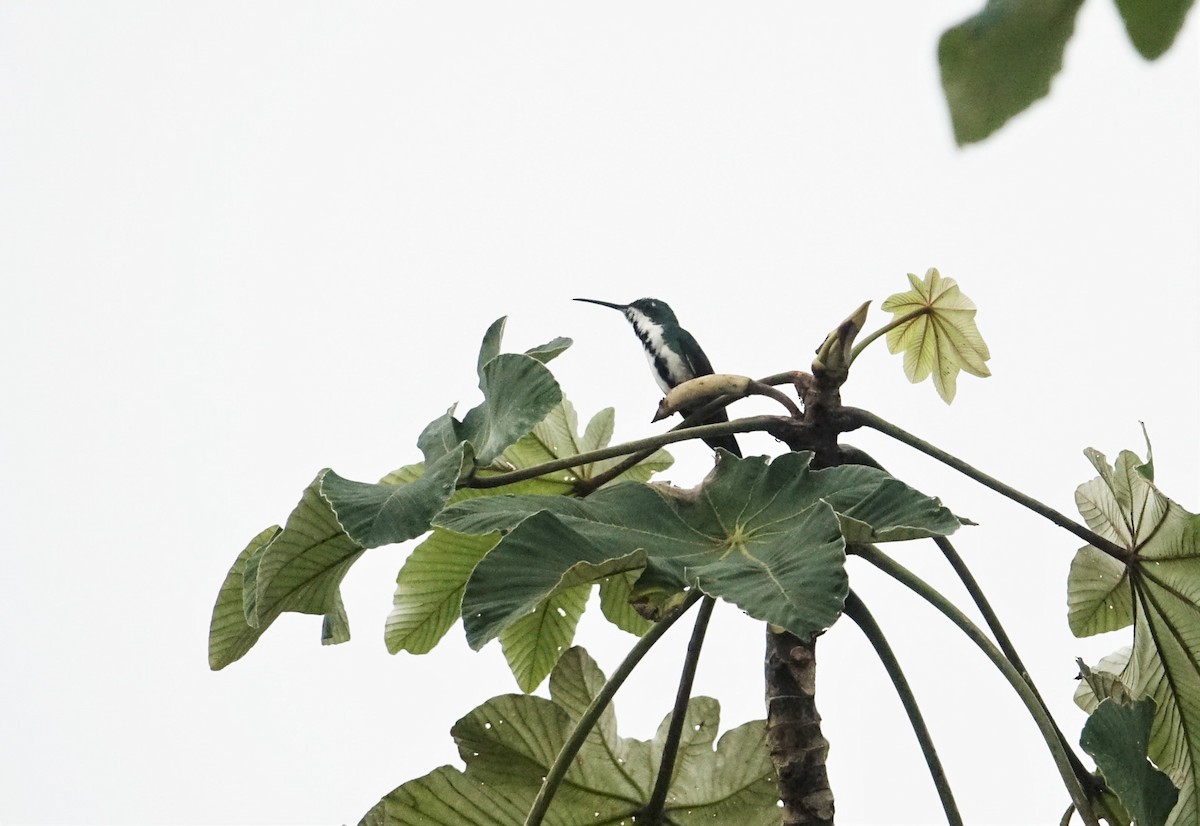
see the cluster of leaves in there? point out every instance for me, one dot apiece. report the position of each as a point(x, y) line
point(1000, 61)
point(509, 743)
point(1148, 694)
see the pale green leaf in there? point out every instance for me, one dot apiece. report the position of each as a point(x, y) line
point(509, 742)
point(616, 597)
point(229, 635)
point(1158, 589)
point(533, 644)
point(429, 589)
point(938, 335)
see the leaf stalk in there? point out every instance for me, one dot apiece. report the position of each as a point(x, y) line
point(857, 611)
point(868, 419)
point(587, 721)
point(1046, 725)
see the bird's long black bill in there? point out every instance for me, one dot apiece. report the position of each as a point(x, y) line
point(620, 307)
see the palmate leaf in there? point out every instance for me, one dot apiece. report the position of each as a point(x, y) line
point(940, 336)
point(997, 63)
point(429, 588)
point(766, 537)
point(509, 742)
point(556, 437)
point(1156, 588)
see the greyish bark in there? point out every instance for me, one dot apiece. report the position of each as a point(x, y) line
point(794, 738)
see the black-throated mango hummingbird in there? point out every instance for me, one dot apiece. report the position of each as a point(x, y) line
point(674, 354)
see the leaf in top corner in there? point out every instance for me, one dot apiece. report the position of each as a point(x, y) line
point(1152, 25)
point(941, 337)
point(997, 63)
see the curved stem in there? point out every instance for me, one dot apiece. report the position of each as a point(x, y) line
point(1028, 696)
point(666, 769)
point(857, 611)
point(868, 419)
point(587, 721)
point(1006, 646)
point(745, 425)
point(891, 325)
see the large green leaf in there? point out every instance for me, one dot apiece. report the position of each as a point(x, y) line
point(1156, 587)
point(764, 536)
point(998, 62)
point(1153, 24)
point(301, 568)
point(509, 742)
point(1116, 736)
point(429, 588)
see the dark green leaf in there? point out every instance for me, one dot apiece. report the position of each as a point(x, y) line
point(765, 537)
point(518, 392)
point(1117, 735)
point(373, 515)
point(998, 62)
point(490, 348)
point(1153, 24)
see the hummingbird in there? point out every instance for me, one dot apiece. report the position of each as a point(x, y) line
point(673, 353)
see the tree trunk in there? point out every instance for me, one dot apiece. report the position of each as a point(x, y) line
point(794, 738)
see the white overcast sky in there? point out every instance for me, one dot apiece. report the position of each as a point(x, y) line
point(240, 242)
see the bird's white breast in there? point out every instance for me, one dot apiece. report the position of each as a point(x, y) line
point(651, 335)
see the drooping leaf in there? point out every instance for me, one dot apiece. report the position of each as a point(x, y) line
point(373, 515)
point(301, 568)
point(940, 337)
point(429, 589)
point(1153, 24)
point(229, 635)
point(550, 350)
point(1000, 61)
point(1156, 587)
point(533, 644)
point(764, 536)
point(1116, 735)
point(509, 742)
